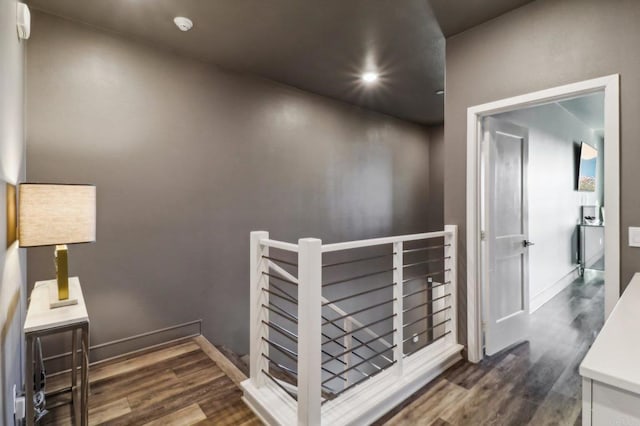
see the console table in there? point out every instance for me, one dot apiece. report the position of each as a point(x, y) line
point(585, 229)
point(42, 321)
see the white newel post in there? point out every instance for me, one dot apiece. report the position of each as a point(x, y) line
point(398, 305)
point(451, 251)
point(257, 313)
point(309, 331)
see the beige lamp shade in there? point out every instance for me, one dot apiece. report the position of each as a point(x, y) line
point(50, 214)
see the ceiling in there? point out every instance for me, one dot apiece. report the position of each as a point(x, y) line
point(317, 46)
point(589, 109)
point(456, 16)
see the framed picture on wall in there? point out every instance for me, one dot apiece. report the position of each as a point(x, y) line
point(588, 163)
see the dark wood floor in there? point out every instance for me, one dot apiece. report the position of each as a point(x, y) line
point(185, 384)
point(535, 383)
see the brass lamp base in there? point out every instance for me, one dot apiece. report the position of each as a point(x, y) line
point(61, 297)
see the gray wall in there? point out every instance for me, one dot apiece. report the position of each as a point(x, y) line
point(12, 259)
point(188, 159)
point(436, 176)
point(544, 44)
point(553, 201)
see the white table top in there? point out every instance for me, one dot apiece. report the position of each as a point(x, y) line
point(41, 317)
point(614, 357)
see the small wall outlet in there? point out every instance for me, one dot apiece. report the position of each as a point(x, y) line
point(416, 338)
point(19, 405)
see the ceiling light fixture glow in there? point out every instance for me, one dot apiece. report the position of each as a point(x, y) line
point(184, 24)
point(370, 77)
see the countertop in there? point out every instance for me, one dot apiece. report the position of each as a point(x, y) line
point(40, 316)
point(614, 357)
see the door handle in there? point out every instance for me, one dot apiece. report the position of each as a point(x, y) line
point(527, 243)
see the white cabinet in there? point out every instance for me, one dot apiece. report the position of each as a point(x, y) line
point(611, 369)
point(609, 405)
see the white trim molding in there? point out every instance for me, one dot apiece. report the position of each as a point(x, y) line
point(610, 85)
point(538, 300)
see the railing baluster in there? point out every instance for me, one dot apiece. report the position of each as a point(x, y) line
point(451, 265)
point(398, 308)
point(258, 314)
point(309, 331)
point(348, 343)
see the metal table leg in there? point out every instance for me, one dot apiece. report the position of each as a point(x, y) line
point(581, 248)
point(85, 376)
point(29, 381)
point(74, 359)
point(74, 373)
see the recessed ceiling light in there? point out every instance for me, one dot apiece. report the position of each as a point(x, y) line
point(369, 77)
point(184, 24)
point(440, 92)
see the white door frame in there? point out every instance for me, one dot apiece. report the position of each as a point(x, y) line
point(611, 87)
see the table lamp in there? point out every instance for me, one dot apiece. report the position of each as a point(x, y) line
point(52, 214)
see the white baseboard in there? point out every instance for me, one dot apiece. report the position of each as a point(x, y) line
point(548, 293)
point(364, 403)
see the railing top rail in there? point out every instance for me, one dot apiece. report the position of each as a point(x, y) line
point(380, 241)
point(326, 248)
point(279, 245)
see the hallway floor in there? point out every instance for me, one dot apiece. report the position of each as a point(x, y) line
point(183, 384)
point(535, 383)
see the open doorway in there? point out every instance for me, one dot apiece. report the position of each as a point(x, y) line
point(542, 209)
point(511, 313)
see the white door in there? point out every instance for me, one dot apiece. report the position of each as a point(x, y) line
point(505, 245)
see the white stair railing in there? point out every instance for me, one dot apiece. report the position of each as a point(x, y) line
point(332, 351)
point(349, 322)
